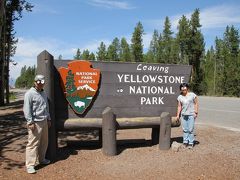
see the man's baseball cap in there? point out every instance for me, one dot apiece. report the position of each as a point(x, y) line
point(39, 77)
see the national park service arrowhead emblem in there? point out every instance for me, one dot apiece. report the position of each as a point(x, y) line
point(80, 84)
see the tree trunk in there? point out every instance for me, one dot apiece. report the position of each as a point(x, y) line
point(2, 14)
point(7, 78)
point(2, 83)
point(2, 51)
point(7, 60)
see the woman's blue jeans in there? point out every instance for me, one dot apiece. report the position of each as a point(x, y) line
point(188, 128)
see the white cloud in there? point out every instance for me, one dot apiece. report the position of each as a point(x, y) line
point(16, 69)
point(40, 8)
point(220, 16)
point(111, 4)
point(93, 45)
point(213, 17)
point(28, 49)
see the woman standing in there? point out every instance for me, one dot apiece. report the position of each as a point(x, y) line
point(187, 111)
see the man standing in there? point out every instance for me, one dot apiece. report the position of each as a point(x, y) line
point(36, 112)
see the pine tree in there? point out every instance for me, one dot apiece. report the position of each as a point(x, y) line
point(60, 57)
point(231, 43)
point(152, 54)
point(102, 54)
point(110, 52)
point(137, 46)
point(167, 41)
point(125, 54)
point(195, 52)
point(78, 54)
point(209, 66)
point(26, 78)
point(238, 75)
point(183, 39)
point(148, 57)
point(85, 55)
point(219, 66)
point(160, 52)
point(175, 52)
point(92, 56)
point(70, 87)
point(23, 70)
point(114, 50)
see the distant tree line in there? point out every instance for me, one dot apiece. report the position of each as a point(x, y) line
point(222, 65)
point(26, 78)
point(215, 72)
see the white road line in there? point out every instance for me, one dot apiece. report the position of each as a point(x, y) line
point(219, 126)
point(219, 110)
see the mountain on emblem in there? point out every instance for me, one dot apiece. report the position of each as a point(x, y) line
point(80, 84)
point(86, 87)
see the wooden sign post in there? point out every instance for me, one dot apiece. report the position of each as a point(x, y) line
point(136, 94)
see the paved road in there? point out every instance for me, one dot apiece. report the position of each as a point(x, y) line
point(19, 93)
point(217, 111)
point(220, 111)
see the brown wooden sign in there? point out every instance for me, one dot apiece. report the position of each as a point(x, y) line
point(78, 95)
point(130, 89)
point(80, 84)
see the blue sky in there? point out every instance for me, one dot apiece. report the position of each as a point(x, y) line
point(61, 27)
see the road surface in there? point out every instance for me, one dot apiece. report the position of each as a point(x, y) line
point(216, 111)
point(220, 111)
point(19, 93)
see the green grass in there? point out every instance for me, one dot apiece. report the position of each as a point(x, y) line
point(12, 96)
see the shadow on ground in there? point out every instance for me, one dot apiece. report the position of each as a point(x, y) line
point(12, 129)
point(72, 142)
point(13, 138)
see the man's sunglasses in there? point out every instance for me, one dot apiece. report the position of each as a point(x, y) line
point(40, 81)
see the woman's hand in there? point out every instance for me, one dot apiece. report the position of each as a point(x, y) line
point(195, 114)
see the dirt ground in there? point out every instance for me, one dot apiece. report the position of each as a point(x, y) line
point(215, 156)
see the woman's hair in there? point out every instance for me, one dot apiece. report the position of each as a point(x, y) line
point(184, 85)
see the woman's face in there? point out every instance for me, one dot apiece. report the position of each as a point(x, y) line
point(184, 90)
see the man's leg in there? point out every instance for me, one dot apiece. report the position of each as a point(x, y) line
point(43, 142)
point(32, 146)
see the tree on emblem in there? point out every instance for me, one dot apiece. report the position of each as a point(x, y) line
point(70, 86)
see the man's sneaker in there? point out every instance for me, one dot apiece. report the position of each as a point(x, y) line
point(45, 162)
point(31, 170)
point(190, 146)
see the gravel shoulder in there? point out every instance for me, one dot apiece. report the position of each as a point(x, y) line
point(216, 155)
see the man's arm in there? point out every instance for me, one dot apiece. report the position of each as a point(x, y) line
point(27, 108)
point(48, 111)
